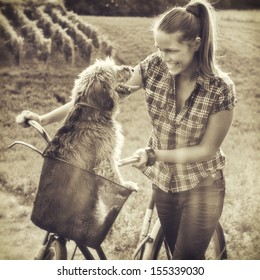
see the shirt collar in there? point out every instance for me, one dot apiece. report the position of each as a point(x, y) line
point(204, 82)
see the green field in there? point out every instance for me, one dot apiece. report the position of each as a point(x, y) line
point(41, 88)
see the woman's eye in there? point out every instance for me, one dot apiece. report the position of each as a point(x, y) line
point(172, 51)
point(167, 51)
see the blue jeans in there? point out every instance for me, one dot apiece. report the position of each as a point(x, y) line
point(189, 218)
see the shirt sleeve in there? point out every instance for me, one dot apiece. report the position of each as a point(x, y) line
point(226, 99)
point(146, 65)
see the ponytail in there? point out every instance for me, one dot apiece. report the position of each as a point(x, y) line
point(207, 51)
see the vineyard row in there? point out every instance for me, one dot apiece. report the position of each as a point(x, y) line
point(50, 31)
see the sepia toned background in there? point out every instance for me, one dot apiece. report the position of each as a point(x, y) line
point(45, 44)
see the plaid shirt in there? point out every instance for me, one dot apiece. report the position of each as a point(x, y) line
point(171, 131)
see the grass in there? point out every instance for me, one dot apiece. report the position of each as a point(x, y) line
point(36, 90)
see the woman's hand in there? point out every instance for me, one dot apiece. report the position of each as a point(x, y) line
point(126, 89)
point(25, 116)
point(143, 158)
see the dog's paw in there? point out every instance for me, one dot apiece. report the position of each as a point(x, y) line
point(131, 186)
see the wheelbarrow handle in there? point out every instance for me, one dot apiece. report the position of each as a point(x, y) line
point(128, 160)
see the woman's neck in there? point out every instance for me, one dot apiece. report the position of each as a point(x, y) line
point(190, 74)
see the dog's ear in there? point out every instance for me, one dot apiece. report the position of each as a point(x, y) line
point(99, 96)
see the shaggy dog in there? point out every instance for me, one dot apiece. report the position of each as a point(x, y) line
point(91, 137)
point(88, 143)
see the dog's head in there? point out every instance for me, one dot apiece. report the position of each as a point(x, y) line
point(96, 85)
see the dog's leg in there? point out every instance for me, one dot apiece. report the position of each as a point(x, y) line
point(110, 170)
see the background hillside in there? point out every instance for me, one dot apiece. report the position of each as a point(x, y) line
point(41, 85)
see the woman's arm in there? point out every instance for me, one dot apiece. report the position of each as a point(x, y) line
point(51, 117)
point(216, 131)
point(57, 114)
point(136, 79)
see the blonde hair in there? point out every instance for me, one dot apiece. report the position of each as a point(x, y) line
point(196, 19)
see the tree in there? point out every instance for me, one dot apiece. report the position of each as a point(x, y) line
point(144, 7)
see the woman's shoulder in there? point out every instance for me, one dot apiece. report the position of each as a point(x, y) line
point(224, 92)
point(222, 80)
point(151, 64)
point(152, 59)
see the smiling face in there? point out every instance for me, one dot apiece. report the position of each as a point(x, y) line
point(178, 56)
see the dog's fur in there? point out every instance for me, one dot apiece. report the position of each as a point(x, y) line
point(76, 203)
point(91, 137)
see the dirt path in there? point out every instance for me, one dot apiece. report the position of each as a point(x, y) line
point(19, 238)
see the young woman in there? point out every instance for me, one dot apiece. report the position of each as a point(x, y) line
point(191, 103)
point(191, 106)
